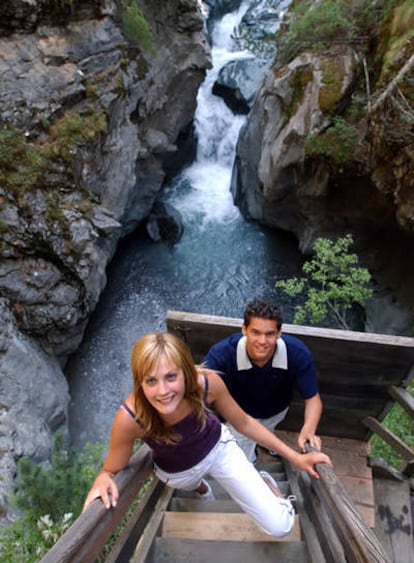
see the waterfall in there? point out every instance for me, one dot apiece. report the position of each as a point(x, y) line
point(220, 263)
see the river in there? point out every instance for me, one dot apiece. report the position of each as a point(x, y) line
point(220, 263)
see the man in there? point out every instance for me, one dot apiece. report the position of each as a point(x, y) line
point(261, 368)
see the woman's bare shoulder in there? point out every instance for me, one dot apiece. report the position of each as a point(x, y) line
point(126, 419)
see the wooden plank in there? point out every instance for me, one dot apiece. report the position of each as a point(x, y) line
point(172, 550)
point(174, 318)
point(219, 526)
point(151, 531)
point(321, 520)
point(362, 494)
point(390, 438)
point(394, 519)
point(195, 505)
point(316, 548)
point(334, 348)
point(403, 398)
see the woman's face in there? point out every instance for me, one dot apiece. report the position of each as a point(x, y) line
point(164, 389)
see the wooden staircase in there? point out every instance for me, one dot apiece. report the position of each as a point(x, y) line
point(192, 529)
point(358, 512)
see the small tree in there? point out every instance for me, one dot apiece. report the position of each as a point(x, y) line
point(333, 284)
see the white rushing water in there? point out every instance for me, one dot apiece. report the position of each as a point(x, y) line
point(220, 263)
point(217, 129)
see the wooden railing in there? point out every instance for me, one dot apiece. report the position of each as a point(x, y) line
point(403, 398)
point(88, 535)
point(343, 535)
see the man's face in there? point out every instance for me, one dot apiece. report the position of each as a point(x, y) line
point(261, 335)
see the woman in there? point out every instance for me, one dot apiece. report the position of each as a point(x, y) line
point(169, 409)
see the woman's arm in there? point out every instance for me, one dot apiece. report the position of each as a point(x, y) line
point(226, 406)
point(124, 433)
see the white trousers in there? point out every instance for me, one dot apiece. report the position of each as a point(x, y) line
point(229, 466)
point(247, 444)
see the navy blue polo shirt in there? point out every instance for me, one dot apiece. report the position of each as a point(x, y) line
point(264, 391)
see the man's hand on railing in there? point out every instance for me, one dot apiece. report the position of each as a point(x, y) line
point(105, 488)
point(306, 462)
point(308, 436)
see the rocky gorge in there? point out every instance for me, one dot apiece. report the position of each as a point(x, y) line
point(93, 124)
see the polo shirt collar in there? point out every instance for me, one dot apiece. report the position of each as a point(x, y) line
point(279, 358)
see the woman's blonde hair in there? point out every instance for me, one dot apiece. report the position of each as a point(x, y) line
point(145, 355)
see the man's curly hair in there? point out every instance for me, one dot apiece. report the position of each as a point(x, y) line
point(263, 310)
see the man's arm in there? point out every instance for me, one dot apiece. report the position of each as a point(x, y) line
point(227, 407)
point(313, 412)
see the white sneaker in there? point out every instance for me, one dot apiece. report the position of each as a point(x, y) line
point(208, 495)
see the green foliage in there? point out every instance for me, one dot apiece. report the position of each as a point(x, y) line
point(300, 78)
point(21, 166)
point(72, 129)
point(401, 32)
point(61, 488)
point(29, 539)
point(337, 144)
point(331, 88)
point(24, 165)
point(401, 424)
point(316, 28)
point(333, 284)
point(136, 27)
point(51, 499)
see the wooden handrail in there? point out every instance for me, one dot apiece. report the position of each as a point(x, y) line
point(87, 536)
point(403, 398)
point(359, 542)
point(390, 438)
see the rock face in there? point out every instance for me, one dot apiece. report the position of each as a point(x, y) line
point(270, 183)
point(33, 401)
point(278, 182)
point(88, 119)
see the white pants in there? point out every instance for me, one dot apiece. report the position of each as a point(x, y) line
point(248, 445)
point(229, 466)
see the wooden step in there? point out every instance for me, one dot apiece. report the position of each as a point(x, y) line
point(221, 493)
point(220, 527)
point(171, 550)
point(196, 505)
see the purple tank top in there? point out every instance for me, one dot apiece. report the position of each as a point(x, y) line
point(195, 443)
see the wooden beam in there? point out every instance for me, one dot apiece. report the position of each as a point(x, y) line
point(403, 398)
point(359, 542)
point(408, 468)
point(389, 437)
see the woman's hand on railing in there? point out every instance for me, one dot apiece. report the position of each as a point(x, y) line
point(105, 488)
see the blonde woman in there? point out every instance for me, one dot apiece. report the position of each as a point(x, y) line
point(172, 409)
